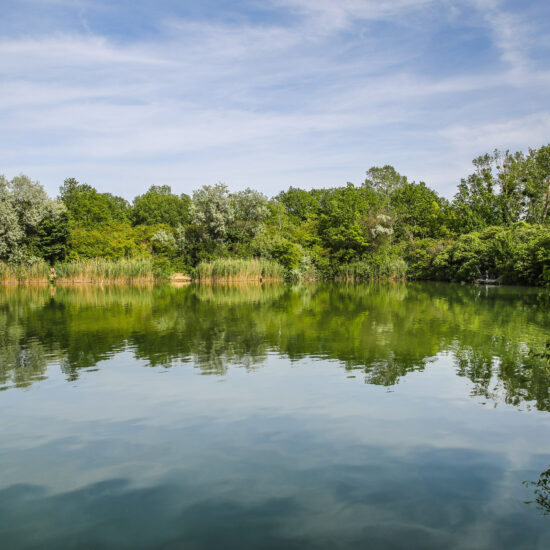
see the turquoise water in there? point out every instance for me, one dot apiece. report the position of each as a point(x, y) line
point(312, 416)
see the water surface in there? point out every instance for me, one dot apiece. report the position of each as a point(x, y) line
point(311, 416)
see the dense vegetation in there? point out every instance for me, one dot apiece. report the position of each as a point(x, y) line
point(498, 223)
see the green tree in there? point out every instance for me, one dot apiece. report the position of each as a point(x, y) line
point(213, 211)
point(26, 211)
point(537, 185)
point(299, 204)
point(251, 211)
point(160, 205)
point(476, 203)
point(51, 240)
point(343, 221)
point(384, 180)
point(89, 208)
point(418, 211)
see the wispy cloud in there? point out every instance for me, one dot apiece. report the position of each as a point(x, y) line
point(302, 92)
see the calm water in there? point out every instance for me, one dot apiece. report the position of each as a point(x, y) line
point(370, 416)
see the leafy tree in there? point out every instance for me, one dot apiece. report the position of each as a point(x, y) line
point(26, 211)
point(537, 185)
point(160, 205)
point(213, 211)
point(476, 202)
point(343, 221)
point(113, 241)
point(51, 240)
point(251, 211)
point(11, 232)
point(299, 204)
point(89, 208)
point(505, 188)
point(384, 180)
point(419, 211)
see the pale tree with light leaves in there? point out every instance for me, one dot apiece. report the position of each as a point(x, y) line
point(213, 210)
point(24, 204)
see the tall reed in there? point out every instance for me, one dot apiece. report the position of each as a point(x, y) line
point(103, 270)
point(373, 269)
point(37, 272)
point(80, 271)
point(238, 269)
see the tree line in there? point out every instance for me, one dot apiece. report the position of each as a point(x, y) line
point(388, 226)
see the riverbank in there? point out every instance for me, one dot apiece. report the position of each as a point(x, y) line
point(421, 261)
point(80, 272)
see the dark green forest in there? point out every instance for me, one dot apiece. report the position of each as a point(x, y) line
point(387, 227)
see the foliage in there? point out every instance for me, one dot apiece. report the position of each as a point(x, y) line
point(212, 211)
point(516, 254)
point(160, 206)
point(384, 180)
point(250, 208)
point(89, 208)
point(51, 239)
point(111, 241)
point(27, 214)
point(419, 212)
point(497, 222)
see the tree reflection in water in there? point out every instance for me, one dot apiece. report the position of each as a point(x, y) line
point(497, 338)
point(541, 490)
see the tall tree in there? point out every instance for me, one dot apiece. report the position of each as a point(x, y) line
point(384, 180)
point(26, 215)
point(160, 205)
point(89, 208)
point(213, 211)
point(418, 211)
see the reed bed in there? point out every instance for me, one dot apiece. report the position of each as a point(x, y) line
point(237, 269)
point(105, 271)
point(80, 271)
point(37, 272)
point(385, 269)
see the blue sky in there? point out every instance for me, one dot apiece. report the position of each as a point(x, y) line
point(267, 94)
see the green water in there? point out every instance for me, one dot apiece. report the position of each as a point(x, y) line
point(314, 416)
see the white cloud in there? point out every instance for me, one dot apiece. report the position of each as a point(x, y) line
point(331, 15)
point(513, 134)
point(258, 104)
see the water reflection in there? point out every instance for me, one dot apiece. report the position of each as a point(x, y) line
point(496, 337)
point(276, 447)
point(541, 490)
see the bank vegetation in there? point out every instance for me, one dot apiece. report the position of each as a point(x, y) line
point(387, 227)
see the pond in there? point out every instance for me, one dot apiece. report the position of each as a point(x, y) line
point(311, 416)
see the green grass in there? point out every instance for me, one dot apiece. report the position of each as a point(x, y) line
point(236, 269)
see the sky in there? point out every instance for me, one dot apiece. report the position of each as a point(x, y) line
point(267, 94)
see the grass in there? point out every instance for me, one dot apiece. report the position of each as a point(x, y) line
point(236, 269)
point(379, 269)
point(100, 270)
point(37, 272)
point(80, 271)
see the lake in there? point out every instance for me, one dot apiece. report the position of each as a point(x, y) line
point(265, 417)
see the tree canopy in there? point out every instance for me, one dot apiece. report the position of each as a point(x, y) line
point(498, 221)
